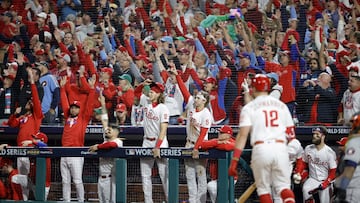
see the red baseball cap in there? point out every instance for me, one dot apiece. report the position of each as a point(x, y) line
point(107, 70)
point(65, 25)
point(157, 87)
point(342, 141)
point(142, 57)
point(41, 136)
point(210, 80)
point(76, 103)
point(120, 107)
point(226, 129)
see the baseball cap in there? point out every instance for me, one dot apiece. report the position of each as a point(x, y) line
point(210, 80)
point(321, 129)
point(286, 52)
point(273, 76)
point(8, 14)
point(65, 25)
point(142, 57)
point(167, 39)
point(342, 141)
point(244, 55)
point(41, 136)
point(66, 57)
point(226, 129)
point(120, 107)
point(125, 77)
point(76, 103)
point(157, 87)
point(180, 38)
point(42, 63)
point(107, 70)
point(184, 51)
point(42, 15)
point(13, 65)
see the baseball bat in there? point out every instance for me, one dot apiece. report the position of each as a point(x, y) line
point(247, 193)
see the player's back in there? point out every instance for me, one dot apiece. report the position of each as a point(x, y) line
point(269, 118)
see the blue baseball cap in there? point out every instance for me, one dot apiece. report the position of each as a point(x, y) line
point(244, 55)
point(167, 39)
point(273, 76)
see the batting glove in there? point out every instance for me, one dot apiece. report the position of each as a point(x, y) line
point(245, 86)
point(233, 168)
point(297, 178)
point(315, 190)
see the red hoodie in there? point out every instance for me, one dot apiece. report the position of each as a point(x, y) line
point(28, 124)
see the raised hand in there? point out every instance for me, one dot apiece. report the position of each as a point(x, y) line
point(63, 81)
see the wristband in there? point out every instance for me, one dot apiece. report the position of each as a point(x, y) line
point(237, 154)
point(104, 117)
point(158, 143)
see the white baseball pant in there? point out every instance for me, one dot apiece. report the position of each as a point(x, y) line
point(310, 184)
point(107, 194)
point(72, 167)
point(23, 166)
point(195, 169)
point(146, 165)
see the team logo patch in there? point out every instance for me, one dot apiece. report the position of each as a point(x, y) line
point(44, 83)
point(350, 151)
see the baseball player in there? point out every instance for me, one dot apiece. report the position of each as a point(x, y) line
point(107, 180)
point(39, 140)
point(320, 160)
point(295, 151)
point(156, 119)
point(270, 124)
point(76, 121)
point(226, 142)
point(14, 191)
point(199, 120)
point(28, 124)
point(348, 183)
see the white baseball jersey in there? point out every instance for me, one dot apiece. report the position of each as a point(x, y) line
point(173, 98)
point(319, 161)
point(153, 117)
point(351, 104)
point(295, 150)
point(275, 119)
point(137, 114)
point(196, 120)
point(106, 164)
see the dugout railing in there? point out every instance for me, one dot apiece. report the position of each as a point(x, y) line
point(121, 155)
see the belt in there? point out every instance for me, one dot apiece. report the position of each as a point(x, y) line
point(268, 141)
point(191, 142)
point(105, 176)
point(150, 138)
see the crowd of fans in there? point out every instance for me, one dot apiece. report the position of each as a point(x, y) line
point(308, 48)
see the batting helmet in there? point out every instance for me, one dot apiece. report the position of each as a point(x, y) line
point(261, 82)
point(355, 122)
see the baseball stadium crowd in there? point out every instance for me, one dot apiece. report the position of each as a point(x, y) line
point(56, 55)
point(307, 47)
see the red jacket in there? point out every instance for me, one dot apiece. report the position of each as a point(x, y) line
point(213, 144)
point(74, 128)
point(30, 123)
point(287, 78)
